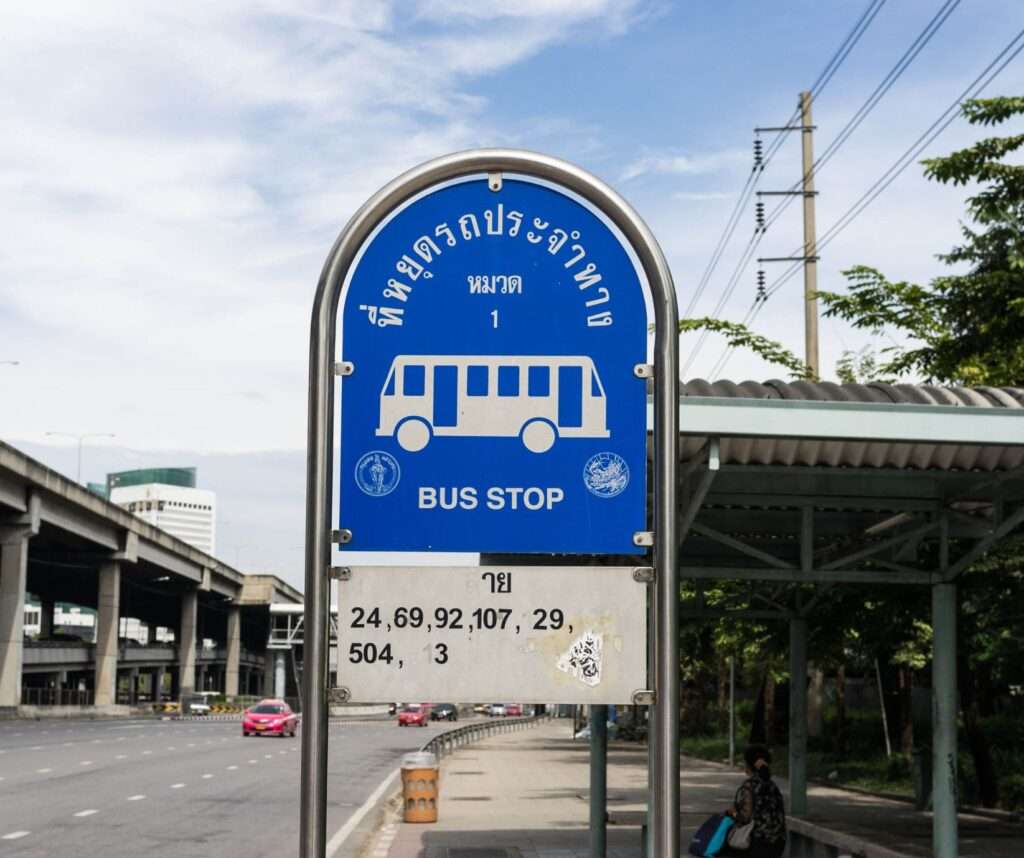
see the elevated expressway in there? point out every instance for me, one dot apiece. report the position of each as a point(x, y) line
point(61, 543)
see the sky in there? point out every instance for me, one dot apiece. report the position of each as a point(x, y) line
point(174, 176)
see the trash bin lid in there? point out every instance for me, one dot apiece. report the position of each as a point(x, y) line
point(419, 760)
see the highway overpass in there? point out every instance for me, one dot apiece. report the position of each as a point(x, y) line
point(60, 542)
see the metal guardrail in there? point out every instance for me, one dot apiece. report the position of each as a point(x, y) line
point(55, 697)
point(445, 743)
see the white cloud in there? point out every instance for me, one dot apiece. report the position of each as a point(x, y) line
point(174, 176)
point(684, 165)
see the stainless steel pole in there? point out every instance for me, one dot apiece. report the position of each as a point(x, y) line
point(665, 803)
point(313, 798)
point(598, 781)
point(313, 778)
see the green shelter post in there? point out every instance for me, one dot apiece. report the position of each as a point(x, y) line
point(945, 842)
point(798, 716)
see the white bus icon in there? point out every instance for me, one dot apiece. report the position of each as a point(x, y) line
point(537, 399)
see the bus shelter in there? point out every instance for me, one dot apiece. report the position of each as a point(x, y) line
point(800, 487)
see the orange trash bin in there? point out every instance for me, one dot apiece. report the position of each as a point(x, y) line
point(420, 787)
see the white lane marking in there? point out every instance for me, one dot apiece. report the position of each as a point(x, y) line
point(121, 757)
point(15, 835)
point(147, 752)
point(36, 748)
point(191, 745)
point(253, 762)
point(89, 812)
point(96, 741)
point(268, 756)
point(85, 763)
point(177, 786)
point(232, 768)
point(68, 744)
point(171, 748)
point(207, 776)
point(343, 833)
point(43, 771)
point(138, 797)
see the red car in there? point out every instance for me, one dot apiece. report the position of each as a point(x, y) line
point(270, 717)
point(513, 709)
point(414, 715)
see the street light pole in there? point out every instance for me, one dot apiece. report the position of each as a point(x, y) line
point(80, 437)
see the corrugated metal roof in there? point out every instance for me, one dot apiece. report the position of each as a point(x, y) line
point(764, 451)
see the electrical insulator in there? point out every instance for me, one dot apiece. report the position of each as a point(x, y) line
point(761, 294)
point(759, 214)
point(758, 154)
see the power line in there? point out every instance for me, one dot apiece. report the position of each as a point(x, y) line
point(945, 119)
point(847, 45)
point(894, 74)
point(926, 138)
point(836, 60)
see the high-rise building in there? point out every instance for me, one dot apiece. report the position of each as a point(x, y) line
point(168, 498)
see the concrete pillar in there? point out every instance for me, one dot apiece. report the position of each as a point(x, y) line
point(133, 686)
point(798, 716)
point(234, 655)
point(279, 674)
point(13, 573)
point(158, 684)
point(108, 607)
point(945, 841)
point(186, 641)
point(46, 610)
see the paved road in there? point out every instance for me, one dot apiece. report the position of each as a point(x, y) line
point(188, 789)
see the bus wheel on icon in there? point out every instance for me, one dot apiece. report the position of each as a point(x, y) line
point(538, 436)
point(413, 434)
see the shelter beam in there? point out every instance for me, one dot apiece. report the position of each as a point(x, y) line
point(879, 547)
point(740, 546)
point(696, 498)
point(793, 575)
point(1008, 523)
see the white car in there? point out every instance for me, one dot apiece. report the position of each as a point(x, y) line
point(496, 709)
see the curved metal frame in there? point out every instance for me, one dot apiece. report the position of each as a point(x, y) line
point(313, 801)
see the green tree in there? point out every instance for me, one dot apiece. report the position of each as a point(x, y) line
point(964, 328)
point(739, 336)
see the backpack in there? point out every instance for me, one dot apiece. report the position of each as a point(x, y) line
point(708, 840)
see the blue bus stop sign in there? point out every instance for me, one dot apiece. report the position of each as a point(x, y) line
point(491, 332)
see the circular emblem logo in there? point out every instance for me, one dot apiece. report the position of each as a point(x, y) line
point(377, 473)
point(606, 475)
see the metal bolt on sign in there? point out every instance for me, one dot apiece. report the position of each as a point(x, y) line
point(504, 174)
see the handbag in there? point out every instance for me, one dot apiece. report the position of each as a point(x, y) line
point(739, 836)
point(708, 840)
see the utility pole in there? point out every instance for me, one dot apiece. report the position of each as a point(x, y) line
point(810, 240)
point(81, 437)
point(810, 254)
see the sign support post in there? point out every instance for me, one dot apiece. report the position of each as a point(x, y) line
point(381, 474)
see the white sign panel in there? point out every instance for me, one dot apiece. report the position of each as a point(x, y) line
point(527, 634)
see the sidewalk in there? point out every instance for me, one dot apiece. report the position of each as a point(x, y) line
point(527, 791)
